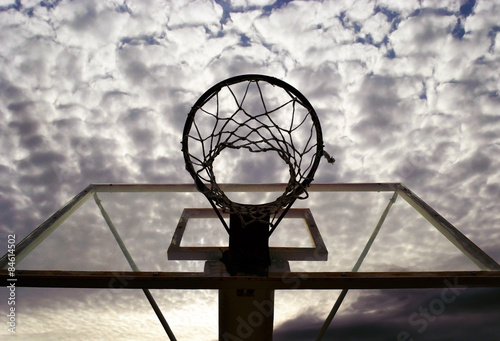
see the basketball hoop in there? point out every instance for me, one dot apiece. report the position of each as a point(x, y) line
point(260, 114)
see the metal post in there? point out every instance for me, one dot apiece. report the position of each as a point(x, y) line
point(248, 251)
point(246, 313)
point(134, 267)
point(356, 267)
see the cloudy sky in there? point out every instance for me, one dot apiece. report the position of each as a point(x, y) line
point(98, 92)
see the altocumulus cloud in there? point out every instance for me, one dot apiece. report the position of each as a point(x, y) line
point(98, 91)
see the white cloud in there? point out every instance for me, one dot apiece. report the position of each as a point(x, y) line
point(401, 8)
point(422, 35)
point(243, 21)
point(358, 11)
point(377, 26)
point(199, 12)
point(247, 3)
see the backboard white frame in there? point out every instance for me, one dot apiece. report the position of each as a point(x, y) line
point(175, 251)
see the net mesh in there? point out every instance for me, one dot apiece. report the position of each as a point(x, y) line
point(258, 115)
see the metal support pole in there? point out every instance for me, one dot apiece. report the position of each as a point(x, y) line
point(134, 267)
point(356, 267)
point(246, 313)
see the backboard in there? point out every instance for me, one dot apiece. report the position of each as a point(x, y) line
point(163, 236)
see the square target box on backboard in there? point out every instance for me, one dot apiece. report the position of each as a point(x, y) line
point(318, 251)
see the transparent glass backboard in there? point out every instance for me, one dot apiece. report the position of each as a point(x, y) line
point(146, 218)
point(147, 221)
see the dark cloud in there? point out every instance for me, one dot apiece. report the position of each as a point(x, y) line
point(137, 71)
point(99, 162)
point(6, 205)
point(477, 164)
point(25, 127)
point(111, 96)
point(33, 142)
point(145, 39)
point(260, 168)
point(10, 92)
point(21, 108)
point(67, 123)
point(304, 327)
point(41, 159)
point(406, 315)
point(161, 170)
point(143, 137)
point(85, 18)
point(379, 114)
